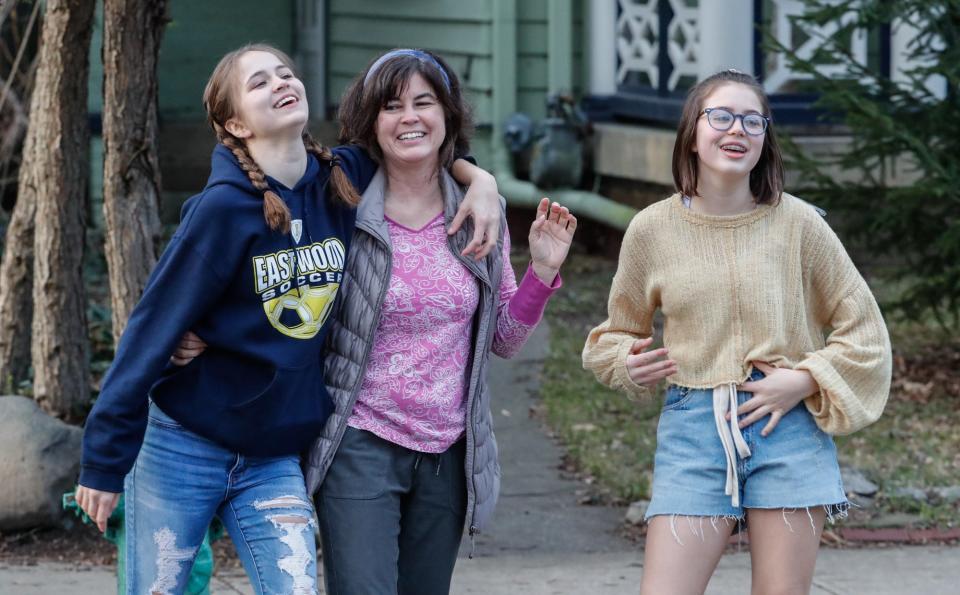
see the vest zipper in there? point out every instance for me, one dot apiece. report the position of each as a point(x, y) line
point(483, 280)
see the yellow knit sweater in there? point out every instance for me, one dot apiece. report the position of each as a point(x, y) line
point(760, 286)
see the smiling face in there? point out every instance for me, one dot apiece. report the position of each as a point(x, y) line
point(730, 153)
point(411, 128)
point(270, 100)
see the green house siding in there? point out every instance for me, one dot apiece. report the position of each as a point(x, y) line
point(460, 31)
point(532, 55)
point(95, 89)
point(200, 33)
point(356, 32)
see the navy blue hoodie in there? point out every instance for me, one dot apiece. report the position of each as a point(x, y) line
point(258, 388)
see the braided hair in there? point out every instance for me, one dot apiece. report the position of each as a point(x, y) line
point(219, 101)
point(339, 181)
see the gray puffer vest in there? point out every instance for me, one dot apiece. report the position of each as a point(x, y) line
point(356, 316)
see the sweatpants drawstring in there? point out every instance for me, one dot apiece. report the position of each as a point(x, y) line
point(724, 400)
point(419, 457)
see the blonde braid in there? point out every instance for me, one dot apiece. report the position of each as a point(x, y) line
point(340, 182)
point(275, 211)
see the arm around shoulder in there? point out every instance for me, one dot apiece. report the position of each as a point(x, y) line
point(482, 203)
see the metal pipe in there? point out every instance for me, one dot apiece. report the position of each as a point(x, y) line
point(519, 192)
point(582, 203)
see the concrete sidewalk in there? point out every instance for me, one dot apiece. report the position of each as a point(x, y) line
point(543, 543)
point(904, 570)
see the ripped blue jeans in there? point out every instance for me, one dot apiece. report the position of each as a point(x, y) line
point(181, 481)
point(794, 467)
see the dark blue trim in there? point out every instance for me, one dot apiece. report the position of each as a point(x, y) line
point(664, 65)
point(598, 108)
point(639, 107)
point(797, 108)
point(885, 49)
point(652, 108)
point(758, 39)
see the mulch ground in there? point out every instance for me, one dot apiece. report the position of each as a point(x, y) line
point(81, 545)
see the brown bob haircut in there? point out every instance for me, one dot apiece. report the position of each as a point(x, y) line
point(362, 101)
point(766, 178)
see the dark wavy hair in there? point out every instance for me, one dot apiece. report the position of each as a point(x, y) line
point(362, 101)
point(766, 178)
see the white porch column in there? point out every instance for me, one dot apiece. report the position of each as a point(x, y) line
point(311, 53)
point(602, 47)
point(901, 34)
point(726, 36)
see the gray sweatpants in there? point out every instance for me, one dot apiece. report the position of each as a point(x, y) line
point(391, 518)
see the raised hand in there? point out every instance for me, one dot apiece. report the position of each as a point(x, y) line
point(550, 237)
point(649, 367)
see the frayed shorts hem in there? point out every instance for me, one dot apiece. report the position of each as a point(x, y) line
point(835, 512)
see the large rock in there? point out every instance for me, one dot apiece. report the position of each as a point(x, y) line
point(636, 512)
point(39, 461)
point(948, 494)
point(910, 493)
point(855, 482)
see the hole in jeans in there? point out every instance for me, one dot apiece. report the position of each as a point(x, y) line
point(296, 529)
point(170, 561)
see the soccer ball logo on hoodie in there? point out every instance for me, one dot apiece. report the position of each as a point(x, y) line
point(298, 307)
point(300, 313)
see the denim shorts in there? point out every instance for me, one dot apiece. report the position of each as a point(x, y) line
point(795, 466)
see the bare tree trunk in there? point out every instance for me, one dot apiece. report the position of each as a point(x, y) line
point(16, 287)
point(55, 168)
point(131, 174)
point(16, 268)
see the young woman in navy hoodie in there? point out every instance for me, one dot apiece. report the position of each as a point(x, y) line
point(253, 268)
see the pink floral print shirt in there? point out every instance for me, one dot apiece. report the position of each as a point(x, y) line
point(414, 389)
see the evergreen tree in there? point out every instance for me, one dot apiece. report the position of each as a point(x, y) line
point(909, 120)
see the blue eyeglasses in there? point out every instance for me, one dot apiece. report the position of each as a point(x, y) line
point(722, 119)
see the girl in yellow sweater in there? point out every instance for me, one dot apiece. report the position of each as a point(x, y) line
point(772, 342)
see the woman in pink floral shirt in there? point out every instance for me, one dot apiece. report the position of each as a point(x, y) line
point(409, 459)
point(414, 386)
